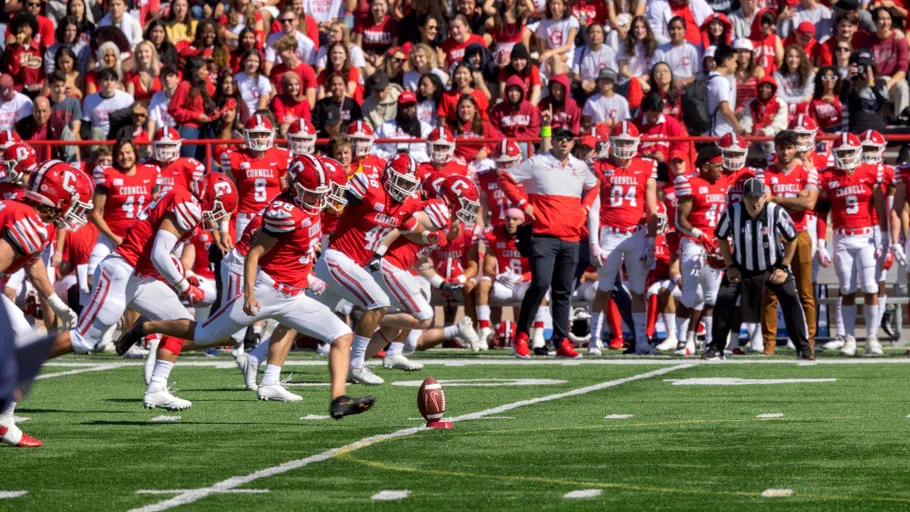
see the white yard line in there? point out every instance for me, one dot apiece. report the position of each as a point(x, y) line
point(583, 493)
point(95, 368)
point(194, 495)
point(7, 495)
point(390, 495)
point(180, 491)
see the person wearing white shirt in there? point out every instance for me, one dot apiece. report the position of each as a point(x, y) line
point(556, 34)
point(97, 107)
point(14, 106)
point(682, 56)
point(404, 126)
point(659, 15)
point(606, 107)
point(255, 87)
point(721, 98)
point(118, 17)
point(815, 13)
point(161, 100)
point(325, 11)
point(305, 47)
point(592, 57)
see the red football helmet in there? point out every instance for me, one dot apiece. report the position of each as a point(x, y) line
point(847, 151)
point(441, 145)
point(258, 133)
point(401, 176)
point(715, 260)
point(873, 145)
point(462, 197)
point(339, 177)
point(218, 199)
point(504, 335)
point(733, 150)
point(311, 181)
point(506, 154)
point(166, 145)
point(64, 188)
point(301, 137)
point(8, 138)
point(624, 138)
point(805, 129)
point(18, 160)
point(362, 136)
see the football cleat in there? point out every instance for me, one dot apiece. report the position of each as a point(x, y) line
point(684, 348)
point(835, 344)
point(399, 362)
point(617, 344)
point(362, 375)
point(278, 393)
point(520, 347)
point(467, 333)
point(346, 406)
point(565, 349)
point(11, 436)
point(486, 335)
point(712, 354)
point(849, 348)
point(249, 368)
point(130, 336)
point(669, 343)
point(595, 348)
point(873, 347)
point(165, 400)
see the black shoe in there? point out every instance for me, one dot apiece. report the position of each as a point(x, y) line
point(131, 336)
point(541, 351)
point(346, 406)
point(712, 354)
point(807, 355)
point(888, 323)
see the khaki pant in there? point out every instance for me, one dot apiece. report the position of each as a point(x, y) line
point(802, 275)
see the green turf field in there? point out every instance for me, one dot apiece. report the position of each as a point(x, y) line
point(623, 433)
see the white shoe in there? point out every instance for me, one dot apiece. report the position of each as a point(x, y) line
point(790, 344)
point(165, 400)
point(537, 340)
point(278, 393)
point(135, 352)
point(595, 348)
point(874, 348)
point(668, 344)
point(249, 368)
point(467, 333)
point(685, 350)
point(486, 335)
point(237, 349)
point(362, 375)
point(756, 345)
point(849, 348)
point(322, 350)
point(399, 362)
point(835, 344)
point(150, 360)
point(699, 346)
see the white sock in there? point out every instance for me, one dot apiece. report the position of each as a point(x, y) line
point(682, 327)
point(691, 336)
point(542, 314)
point(597, 327)
point(394, 349)
point(359, 350)
point(7, 417)
point(709, 323)
point(848, 313)
point(410, 343)
point(839, 317)
point(272, 375)
point(483, 313)
point(882, 302)
point(450, 332)
point(160, 374)
point(641, 326)
point(260, 352)
point(257, 329)
point(670, 324)
point(870, 314)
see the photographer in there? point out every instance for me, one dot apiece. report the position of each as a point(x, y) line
point(864, 94)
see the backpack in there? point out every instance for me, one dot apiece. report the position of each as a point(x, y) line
point(694, 103)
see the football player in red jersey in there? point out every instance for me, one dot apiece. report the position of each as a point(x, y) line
point(376, 205)
point(276, 277)
point(662, 291)
point(621, 229)
point(457, 266)
point(19, 160)
point(258, 170)
point(301, 138)
point(494, 202)
point(175, 171)
point(442, 164)
point(57, 196)
point(733, 149)
point(142, 274)
point(361, 136)
point(806, 129)
point(873, 144)
point(700, 201)
point(854, 189)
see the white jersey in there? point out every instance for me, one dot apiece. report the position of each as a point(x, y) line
point(588, 62)
point(600, 108)
point(684, 60)
point(556, 34)
point(638, 64)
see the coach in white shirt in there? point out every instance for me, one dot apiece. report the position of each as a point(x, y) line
point(606, 107)
point(683, 57)
point(721, 94)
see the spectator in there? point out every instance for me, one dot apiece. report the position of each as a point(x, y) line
point(406, 125)
point(64, 107)
point(795, 80)
point(470, 124)
point(107, 56)
point(460, 38)
point(97, 107)
point(430, 30)
point(22, 56)
point(769, 50)
point(747, 73)
point(180, 26)
point(515, 116)
point(204, 43)
point(337, 97)
point(864, 94)
point(143, 81)
point(65, 62)
point(287, 50)
point(307, 24)
point(741, 19)
point(245, 43)
point(478, 19)
point(720, 94)
point(255, 88)
point(654, 124)
point(340, 63)
point(289, 25)
point(825, 107)
point(863, 16)
point(716, 30)
point(565, 112)
point(804, 37)
point(842, 53)
point(637, 53)
point(606, 107)
point(520, 66)
point(694, 12)
point(242, 17)
point(462, 83)
point(339, 33)
point(290, 105)
point(556, 37)
point(67, 34)
point(14, 106)
point(167, 52)
point(509, 24)
point(44, 36)
point(382, 103)
point(118, 17)
point(228, 126)
point(131, 123)
point(191, 103)
point(376, 35)
point(158, 106)
point(618, 12)
point(325, 12)
point(891, 59)
point(682, 56)
point(811, 11)
point(846, 31)
point(329, 123)
point(77, 9)
point(666, 87)
point(393, 66)
point(480, 62)
point(429, 95)
point(226, 89)
point(590, 59)
point(765, 114)
point(41, 125)
point(422, 60)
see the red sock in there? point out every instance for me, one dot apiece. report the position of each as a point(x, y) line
point(614, 319)
point(538, 325)
point(484, 324)
point(172, 344)
point(652, 315)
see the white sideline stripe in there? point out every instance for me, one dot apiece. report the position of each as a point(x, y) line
point(777, 493)
point(179, 491)
point(315, 417)
point(583, 493)
point(197, 494)
point(617, 416)
point(94, 368)
point(6, 495)
point(390, 495)
point(166, 418)
point(771, 415)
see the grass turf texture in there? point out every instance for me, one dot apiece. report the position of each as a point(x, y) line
point(840, 445)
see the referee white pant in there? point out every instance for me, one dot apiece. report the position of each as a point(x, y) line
point(700, 280)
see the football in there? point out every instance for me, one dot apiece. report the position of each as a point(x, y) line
point(431, 400)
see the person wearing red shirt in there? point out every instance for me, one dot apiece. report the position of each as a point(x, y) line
point(804, 37)
point(460, 37)
point(191, 103)
point(891, 58)
point(290, 104)
point(769, 50)
point(175, 171)
point(377, 34)
point(516, 116)
point(23, 58)
point(653, 124)
point(765, 114)
point(462, 84)
point(44, 36)
point(826, 108)
point(470, 124)
point(287, 50)
point(846, 31)
point(566, 113)
point(520, 66)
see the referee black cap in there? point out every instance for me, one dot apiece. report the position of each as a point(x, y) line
point(754, 187)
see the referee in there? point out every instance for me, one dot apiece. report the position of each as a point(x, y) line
point(761, 260)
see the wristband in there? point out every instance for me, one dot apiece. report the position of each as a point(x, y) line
point(546, 131)
point(380, 251)
point(697, 233)
point(182, 286)
point(437, 281)
point(56, 303)
point(677, 279)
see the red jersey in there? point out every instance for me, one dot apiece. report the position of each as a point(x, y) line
point(404, 253)
point(139, 242)
point(11, 191)
point(26, 232)
point(662, 253)
point(851, 195)
point(298, 232)
point(78, 245)
point(708, 201)
point(176, 174)
point(790, 184)
point(737, 180)
point(503, 246)
point(364, 226)
point(622, 191)
point(497, 202)
point(431, 176)
point(451, 260)
point(249, 233)
point(202, 241)
point(127, 195)
point(369, 163)
point(887, 181)
point(258, 179)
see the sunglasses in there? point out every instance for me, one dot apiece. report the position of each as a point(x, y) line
point(842, 49)
point(31, 4)
point(398, 60)
point(829, 78)
point(287, 20)
point(563, 137)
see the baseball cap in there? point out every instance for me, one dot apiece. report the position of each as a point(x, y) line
point(378, 81)
point(743, 44)
point(709, 51)
point(407, 97)
point(332, 115)
point(677, 154)
point(806, 27)
point(607, 74)
point(753, 187)
point(588, 140)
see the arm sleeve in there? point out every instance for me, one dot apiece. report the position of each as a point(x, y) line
point(724, 224)
point(164, 244)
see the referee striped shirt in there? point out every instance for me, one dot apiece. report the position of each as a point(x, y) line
point(757, 242)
